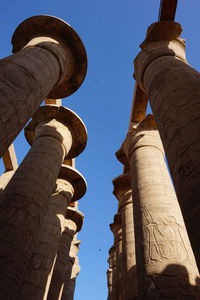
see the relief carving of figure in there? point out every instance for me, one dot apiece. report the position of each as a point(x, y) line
point(163, 239)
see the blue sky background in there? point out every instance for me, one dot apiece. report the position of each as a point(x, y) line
point(111, 32)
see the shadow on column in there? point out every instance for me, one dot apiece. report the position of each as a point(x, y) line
point(172, 283)
point(131, 283)
point(40, 263)
point(61, 266)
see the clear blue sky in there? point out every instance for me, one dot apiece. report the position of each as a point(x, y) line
point(111, 32)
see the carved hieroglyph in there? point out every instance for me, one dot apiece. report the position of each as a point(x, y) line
point(165, 263)
point(173, 88)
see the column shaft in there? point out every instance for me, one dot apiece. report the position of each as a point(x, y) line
point(112, 266)
point(26, 78)
point(38, 273)
point(116, 228)
point(24, 202)
point(165, 263)
point(128, 248)
point(73, 270)
point(119, 267)
point(123, 192)
point(69, 295)
point(173, 88)
point(109, 283)
point(58, 277)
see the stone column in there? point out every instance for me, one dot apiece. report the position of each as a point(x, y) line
point(109, 274)
point(173, 88)
point(73, 224)
point(73, 270)
point(116, 228)
point(71, 186)
point(165, 263)
point(123, 192)
point(57, 133)
point(112, 279)
point(51, 61)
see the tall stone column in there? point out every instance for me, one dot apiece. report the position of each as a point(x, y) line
point(73, 224)
point(173, 88)
point(56, 133)
point(51, 61)
point(73, 270)
point(109, 274)
point(116, 228)
point(165, 263)
point(111, 281)
point(123, 192)
point(71, 186)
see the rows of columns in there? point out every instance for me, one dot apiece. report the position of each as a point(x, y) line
point(156, 260)
point(39, 219)
point(165, 234)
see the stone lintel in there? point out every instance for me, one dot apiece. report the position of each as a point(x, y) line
point(57, 102)
point(139, 105)
point(49, 26)
point(10, 159)
point(76, 179)
point(121, 184)
point(167, 10)
point(65, 116)
point(76, 216)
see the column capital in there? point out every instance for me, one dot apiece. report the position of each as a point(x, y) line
point(55, 28)
point(111, 251)
point(116, 227)
point(75, 269)
point(75, 248)
point(122, 185)
point(76, 179)
point(122, 158)
point(162, 39)
point(65, 116)
point(163, 30)
point(76, 216)
point(143, 134)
